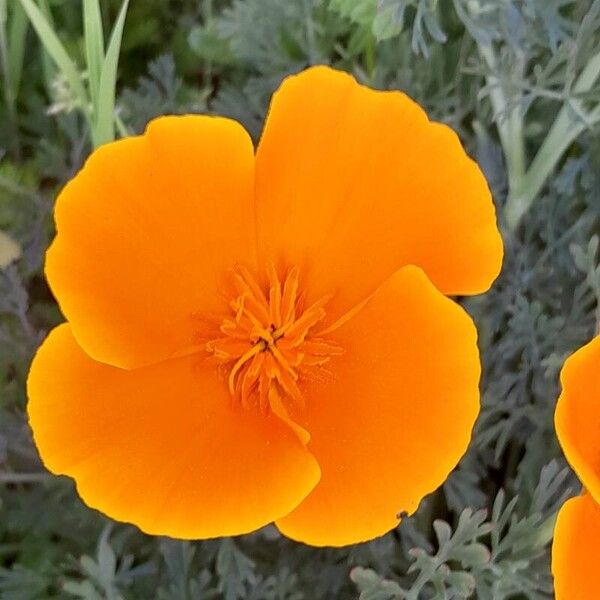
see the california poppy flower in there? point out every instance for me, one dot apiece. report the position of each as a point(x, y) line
point(577, 417)
point(257, 338)
point(577, 422)
point(575, 555)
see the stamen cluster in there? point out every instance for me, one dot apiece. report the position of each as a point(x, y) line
point(269, 340)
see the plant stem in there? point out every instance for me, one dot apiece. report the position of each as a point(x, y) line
point(509, 119)
point(565, 129)
point(121, 127)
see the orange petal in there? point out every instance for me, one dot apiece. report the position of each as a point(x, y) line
point(575, 550)
point(146, 231)
point(577, 417)
point(161, 446)
point(353, 184)
point(394, 418)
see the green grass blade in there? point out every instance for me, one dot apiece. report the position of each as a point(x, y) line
point(94, 45)
point(13, 28)
point(4, 69)
point(104, 126)
point(56, 51)
point(16, 46)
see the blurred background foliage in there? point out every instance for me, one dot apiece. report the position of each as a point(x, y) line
point(518, 80)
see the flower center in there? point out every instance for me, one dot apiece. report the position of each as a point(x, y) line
point(268, 342)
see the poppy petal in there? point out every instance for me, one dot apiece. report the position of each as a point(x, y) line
point(575, 555)
point(146, 232)
point(162, 446)
point(577, 417)
point(354, 183)
point(394, 418)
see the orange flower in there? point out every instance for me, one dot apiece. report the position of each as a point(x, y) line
point(265, 338)
point(577, 422)
point(577, 417)
point(575, 555)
